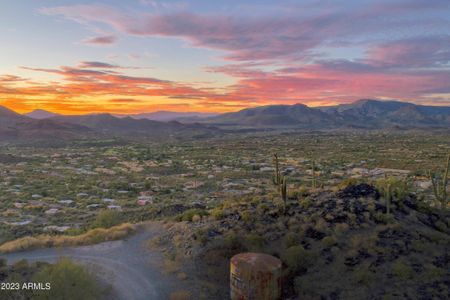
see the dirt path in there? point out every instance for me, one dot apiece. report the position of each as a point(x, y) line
point(127, 265)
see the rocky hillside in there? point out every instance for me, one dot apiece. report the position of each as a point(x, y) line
point(20, 128)
point(334, 245)
point(363, 114)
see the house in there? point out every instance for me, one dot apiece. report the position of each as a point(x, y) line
point(51, 211)
point(114, 207)
point(66, 201)
point(144, 200)
point(423, 184)
point(56, 228)
point(20, 223)
point(95, 205)
point(266, 169)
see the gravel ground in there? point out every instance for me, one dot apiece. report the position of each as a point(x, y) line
point(128, 266)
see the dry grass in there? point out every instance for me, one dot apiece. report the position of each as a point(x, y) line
point(180, 295)
point(93, 236)
point(171, 266)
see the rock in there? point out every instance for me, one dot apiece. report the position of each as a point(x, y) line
point(360, 190)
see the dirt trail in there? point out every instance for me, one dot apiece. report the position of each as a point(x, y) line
point(127, 265)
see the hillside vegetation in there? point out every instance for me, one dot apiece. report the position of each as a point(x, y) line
point(334, 245)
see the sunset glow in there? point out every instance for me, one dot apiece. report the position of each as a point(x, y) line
point(76, 57)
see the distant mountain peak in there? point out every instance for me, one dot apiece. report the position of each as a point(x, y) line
point(40, 114)
point(4, 110)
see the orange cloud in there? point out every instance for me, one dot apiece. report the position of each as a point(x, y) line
point(101, 87)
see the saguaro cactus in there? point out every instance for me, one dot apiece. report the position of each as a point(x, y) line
point(313, 171)
point(440, 185)
point(284, 192)
point(388, 197)
point(277, 174)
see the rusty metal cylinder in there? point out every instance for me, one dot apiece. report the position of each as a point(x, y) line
point(255, 276)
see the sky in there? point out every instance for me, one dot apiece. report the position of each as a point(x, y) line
point(135, 56)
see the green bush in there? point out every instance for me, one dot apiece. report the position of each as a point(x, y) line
point(231, 241)
point(201, 235)
point(217, 213)
point(297, 258)
point(190, 213)
point(305, 203)
point(254, 242)
point(67, 281)
point(107, 218)
point(246, 216)
point(291, 239)
point(402, 270)
point(349, 182)
point(328, 241)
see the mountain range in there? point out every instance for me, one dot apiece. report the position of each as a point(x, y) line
point(15, 127)
point(362, 114)
point(162, 115)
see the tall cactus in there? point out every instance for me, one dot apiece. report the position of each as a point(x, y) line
point(388, 197)
point(440, 187)
point(313, 171)
point(277, 174)
point(284, 192)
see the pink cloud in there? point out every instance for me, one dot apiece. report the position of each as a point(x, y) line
point(97, 64)
point(430, 51)
point(101, 40)
point(290, 36)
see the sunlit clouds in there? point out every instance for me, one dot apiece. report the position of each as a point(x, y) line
point(297, 53)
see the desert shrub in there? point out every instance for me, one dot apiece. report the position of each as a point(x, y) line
point(328, 241)
point(3, 262)
point(432, 272)
point(341, 228)
point(305, 203)
point(349, 182)
point(363, 276)
point(382, 218)
point(441, 226)
point(246, 216)
point(231, 241)
point(217, 213)
point(302, 192)
point(254, 242)
point(304, 288)
point(107, 218)
point(363, 240)
point(190, 213)
point(262, 208)
point(296, 258)
point(321, 225)
point(291, 239)
point(201, 235)
point(402, 270)
point(68, 281)
point(196, 218)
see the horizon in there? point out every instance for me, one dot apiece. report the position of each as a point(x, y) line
point(187, 56)
point(213, 113)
